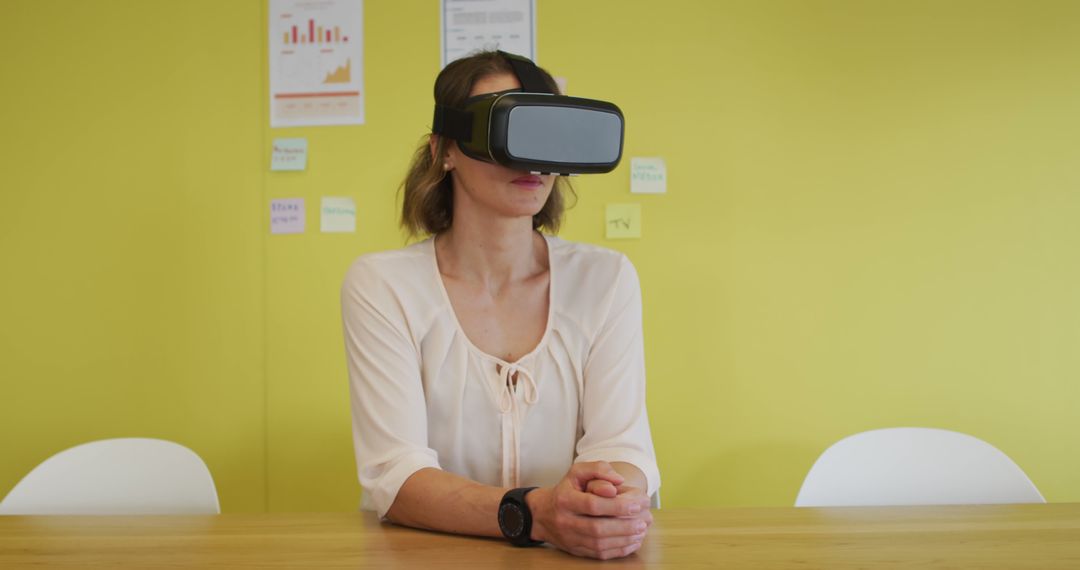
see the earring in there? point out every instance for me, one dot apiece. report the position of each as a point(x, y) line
point(446, 166)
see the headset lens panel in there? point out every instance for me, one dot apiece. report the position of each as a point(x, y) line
point(564, 135)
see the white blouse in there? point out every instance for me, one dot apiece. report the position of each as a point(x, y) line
point(423, 395)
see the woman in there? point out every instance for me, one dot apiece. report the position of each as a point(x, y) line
point(497, 374)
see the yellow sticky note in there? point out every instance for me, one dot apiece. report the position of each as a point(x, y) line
point(622, 221)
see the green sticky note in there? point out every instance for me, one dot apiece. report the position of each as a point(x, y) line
point(648, 175)
point(338, 215)
point(622, 221)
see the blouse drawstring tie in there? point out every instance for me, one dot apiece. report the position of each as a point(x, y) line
point(511, 415)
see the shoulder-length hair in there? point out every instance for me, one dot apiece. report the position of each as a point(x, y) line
point(428, 204)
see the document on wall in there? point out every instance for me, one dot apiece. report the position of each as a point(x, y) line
point(316, 62)
point(472, 25)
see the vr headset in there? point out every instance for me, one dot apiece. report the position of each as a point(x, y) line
point(534, 130)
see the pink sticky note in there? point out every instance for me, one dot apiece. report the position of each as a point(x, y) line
point(287, 216)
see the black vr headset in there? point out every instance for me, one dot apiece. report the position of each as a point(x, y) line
point(534, 130)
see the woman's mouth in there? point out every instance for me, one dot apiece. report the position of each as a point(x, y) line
point(531, 181)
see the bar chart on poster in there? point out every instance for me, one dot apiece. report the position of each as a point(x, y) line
point(316, 62)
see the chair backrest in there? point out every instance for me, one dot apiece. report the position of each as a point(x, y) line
point(914, 466)
point(126, 476)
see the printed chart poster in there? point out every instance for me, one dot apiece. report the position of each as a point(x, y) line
point(472, 25)
point(316, 62)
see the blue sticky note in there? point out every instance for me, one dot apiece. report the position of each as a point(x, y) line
point(289, 154)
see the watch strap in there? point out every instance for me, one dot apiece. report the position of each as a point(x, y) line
point(521, 536)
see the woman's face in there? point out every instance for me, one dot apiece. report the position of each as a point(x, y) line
point(491, 188)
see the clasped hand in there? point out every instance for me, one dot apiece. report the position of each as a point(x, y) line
point(591, 513)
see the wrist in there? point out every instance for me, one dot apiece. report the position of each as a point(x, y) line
point(538, 500)
point(516, 517)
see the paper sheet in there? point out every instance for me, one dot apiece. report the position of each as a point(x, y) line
point(316, 62)
point(469, 25)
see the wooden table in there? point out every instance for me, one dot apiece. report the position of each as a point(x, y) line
point(1007, 536)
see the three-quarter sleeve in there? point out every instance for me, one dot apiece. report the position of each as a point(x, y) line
point(389, 414)
point(614, 420)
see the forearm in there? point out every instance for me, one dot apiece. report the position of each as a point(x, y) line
point(437, 500)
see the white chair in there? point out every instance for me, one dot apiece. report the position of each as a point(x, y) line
point(914, 466)
point(129, 476)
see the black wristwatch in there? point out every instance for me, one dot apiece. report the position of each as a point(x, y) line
point(515, 518)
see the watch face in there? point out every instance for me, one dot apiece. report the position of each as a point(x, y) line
point(511, 520)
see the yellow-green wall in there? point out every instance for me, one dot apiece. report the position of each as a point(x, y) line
point(871, 221)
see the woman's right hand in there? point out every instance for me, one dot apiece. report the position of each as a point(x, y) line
point(586, 524)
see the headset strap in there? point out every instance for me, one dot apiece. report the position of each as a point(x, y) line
point(457, 124)
point(532, 81)
point(451, 122)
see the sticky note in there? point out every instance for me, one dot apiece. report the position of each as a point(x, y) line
point(289, 154)
point(622, 221)
point(338, 215)
point(287, 216)
point(648, 175)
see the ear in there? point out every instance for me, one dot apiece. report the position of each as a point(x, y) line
point(434, 141)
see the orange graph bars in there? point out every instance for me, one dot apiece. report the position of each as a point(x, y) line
point(315, 35)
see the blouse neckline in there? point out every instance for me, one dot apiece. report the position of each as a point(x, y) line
point(457, 323)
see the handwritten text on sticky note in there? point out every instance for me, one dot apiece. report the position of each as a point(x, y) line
point(648, 176)
point(622, 221)
point(287, 216)
point(338, 215)
point(289, 154)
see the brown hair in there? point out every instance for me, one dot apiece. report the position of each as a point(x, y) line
point(428, 205)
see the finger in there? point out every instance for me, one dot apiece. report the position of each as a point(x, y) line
point(643, 505)
point(586, 551)
point(644, 516)
point(619, 552)
point(582, 503)
point(582, 473)
point(601, 488)
point(608, 547)
point(626, 491)
point(590, 528)
point(616, 542)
